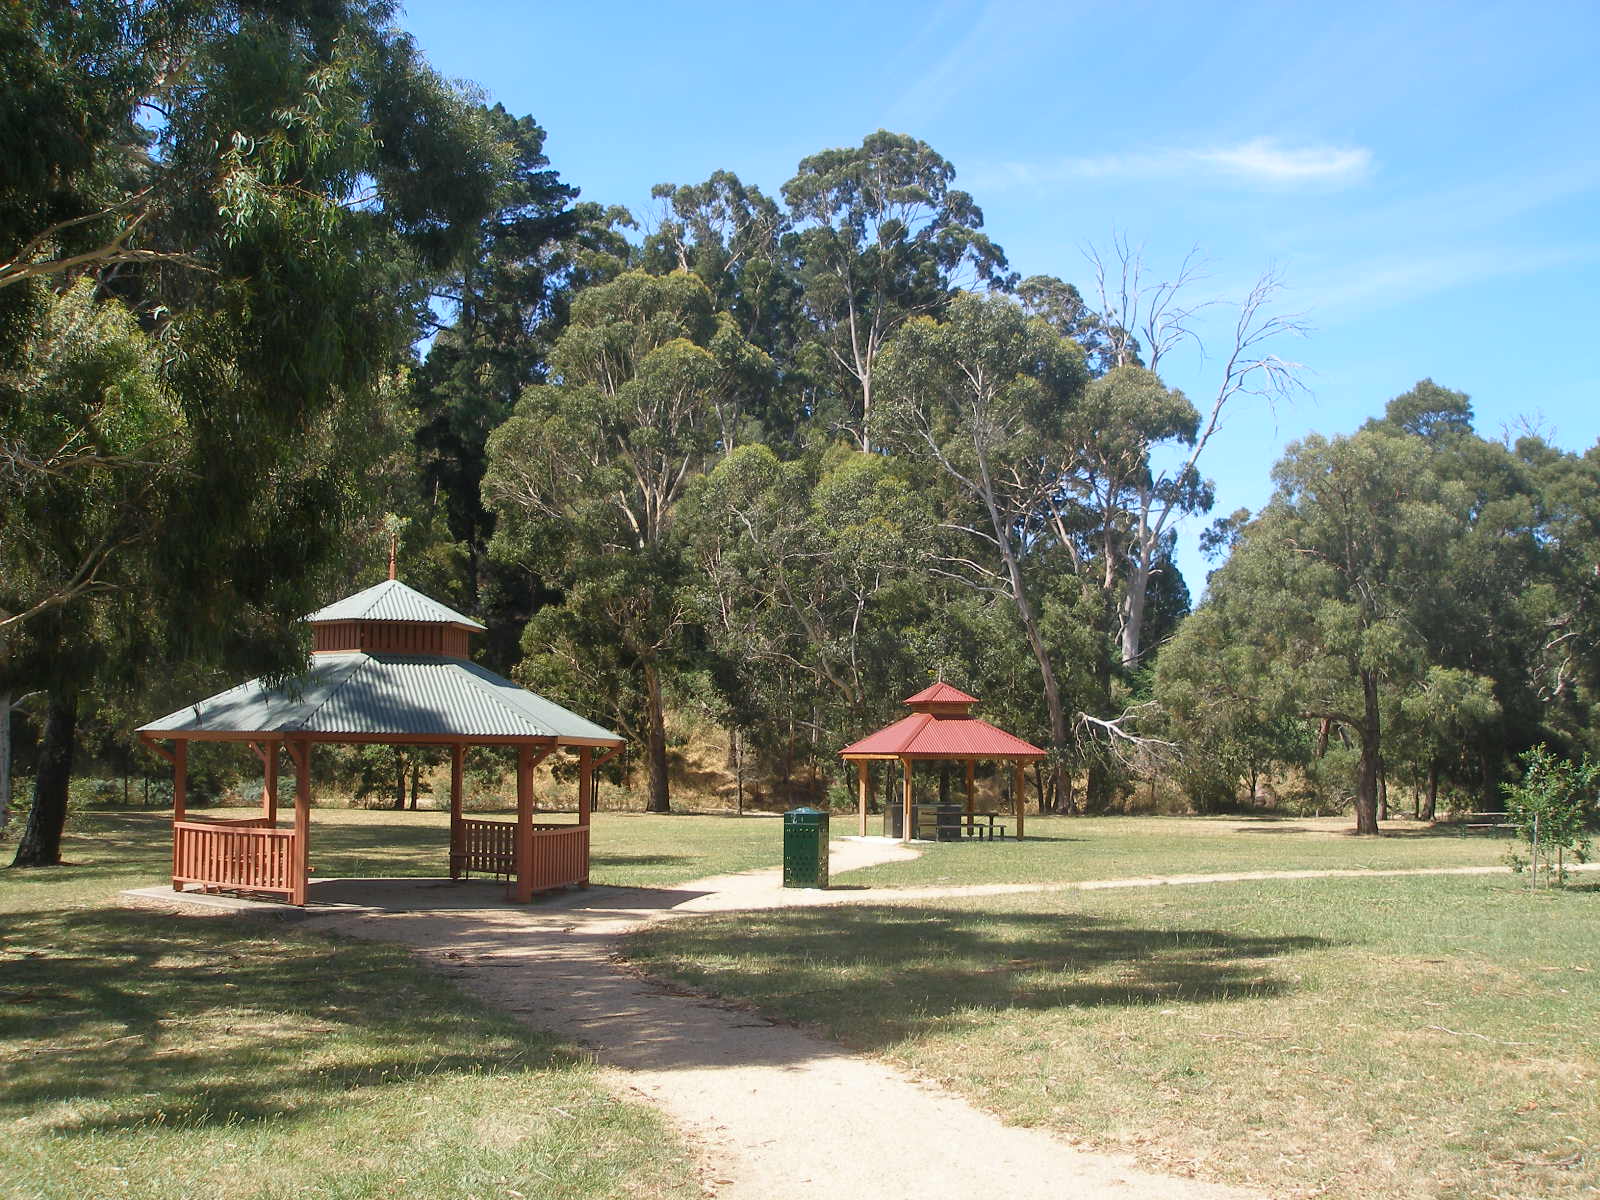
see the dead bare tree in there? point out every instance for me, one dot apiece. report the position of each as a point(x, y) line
point(1156, 318)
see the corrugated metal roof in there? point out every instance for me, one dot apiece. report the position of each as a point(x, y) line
point(376, 694)
point(953, 737)
point(940, 693)
point(392, 600)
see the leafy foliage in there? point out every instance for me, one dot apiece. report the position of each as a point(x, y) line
point(1555, 805)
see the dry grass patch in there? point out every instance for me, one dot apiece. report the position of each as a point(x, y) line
point(1358, 1038)
point(151, 1056)
point(1074, 849)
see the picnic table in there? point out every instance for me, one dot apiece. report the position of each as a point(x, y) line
point(950, 822)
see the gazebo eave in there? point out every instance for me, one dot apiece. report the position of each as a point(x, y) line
point(387, 739)
point(945, 755)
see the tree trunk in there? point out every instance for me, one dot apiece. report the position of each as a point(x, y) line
point(1133, 606)
point(1430, 803)
point(1098, 788)
point(399, 780)
point(1064, 784)
point(1371, 754)
point(416, 782)
point(655, 719)
point(5, 761)
point(1383, 789)
point(41, 838)
point(944, 783)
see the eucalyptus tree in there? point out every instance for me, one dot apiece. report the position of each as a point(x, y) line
point(802, 567)
point(267, 188)
point(1140, 321)
point(1315, 614)
point(881, 237)
point(505, 301)
point(587, 474)
point(987, 395)
point(734, 237)
point(1565, 600)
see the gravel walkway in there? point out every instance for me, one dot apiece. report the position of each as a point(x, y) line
point(776, 1113)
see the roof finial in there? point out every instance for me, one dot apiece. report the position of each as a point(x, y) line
point(394, 539)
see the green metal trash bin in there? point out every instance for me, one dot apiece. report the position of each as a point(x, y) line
point(805, 848)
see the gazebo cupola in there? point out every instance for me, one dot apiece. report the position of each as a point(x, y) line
point(942, 700)
point(391, 618)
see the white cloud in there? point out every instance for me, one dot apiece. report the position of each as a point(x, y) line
point(1264, 159)
point(1258, 161)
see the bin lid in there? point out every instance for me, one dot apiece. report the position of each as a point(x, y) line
point(805, 811)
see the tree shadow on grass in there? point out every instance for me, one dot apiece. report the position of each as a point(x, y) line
point(635, 860)
point(130, 1020)
point(876, 974)
point(1447, 830)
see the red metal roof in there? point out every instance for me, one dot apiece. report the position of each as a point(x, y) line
point(942, 730)
point(940, 693)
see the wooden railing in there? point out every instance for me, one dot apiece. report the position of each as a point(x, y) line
point(560, 856)
point(249, 855)
point(488, 847)
point(560, 852)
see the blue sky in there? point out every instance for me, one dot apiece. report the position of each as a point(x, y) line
point(1426, 178)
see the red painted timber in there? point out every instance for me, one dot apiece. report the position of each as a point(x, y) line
point(248, 856)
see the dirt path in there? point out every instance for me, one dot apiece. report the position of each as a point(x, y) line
point(763, 889)
point(777, 1114)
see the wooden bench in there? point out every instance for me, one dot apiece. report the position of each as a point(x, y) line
point(981, 825)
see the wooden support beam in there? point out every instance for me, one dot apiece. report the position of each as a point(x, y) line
point(180, 796)
point(458, 758)
point(300, 755)
point(524, 845)
point(906, 831)
point(585, 803)
point(180, 780)
point(1020, 780)
point(861, 797)
point(585, 784)
point(269, 781)
point(606, 758)
point(156, 748)
point(971, 793)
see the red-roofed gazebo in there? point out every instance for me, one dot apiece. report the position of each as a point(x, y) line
point(941, 727)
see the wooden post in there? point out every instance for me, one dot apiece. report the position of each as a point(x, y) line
point(906, 831)
point(585, 783)
point(300, 753)
point(458, 758)
point(524, 889)
point(1019, 781)
point(180, 795)
point(269, 781)
point(180, 780)
point(861, 795)
point(585, 801)
point(971, 794)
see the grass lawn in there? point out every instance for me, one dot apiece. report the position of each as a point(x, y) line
point(1065, 849)
point(1366, 1038)
point(119, 849)
point(157, 1056)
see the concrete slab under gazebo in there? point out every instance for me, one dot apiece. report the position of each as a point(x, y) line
point(389, 666)
point(941, 728)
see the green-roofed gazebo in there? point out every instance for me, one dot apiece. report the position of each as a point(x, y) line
point(389, 665)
